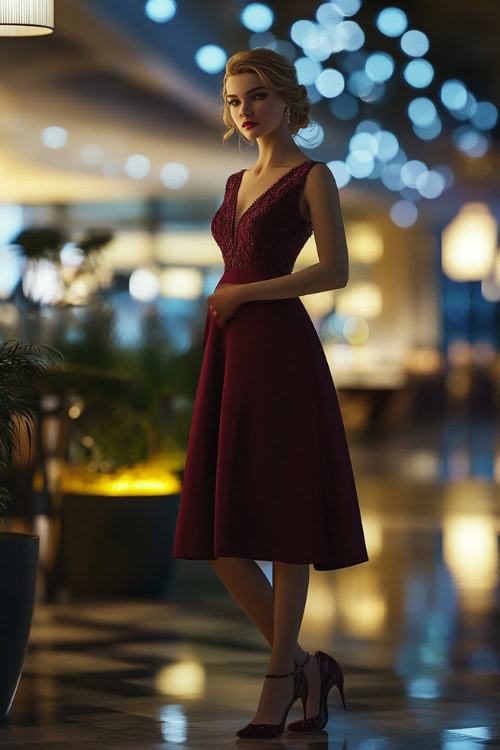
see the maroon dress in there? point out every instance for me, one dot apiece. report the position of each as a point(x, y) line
point(268, 474)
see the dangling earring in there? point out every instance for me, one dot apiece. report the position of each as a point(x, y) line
point(287, 115)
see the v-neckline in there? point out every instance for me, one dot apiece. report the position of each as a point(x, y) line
point(234, 229)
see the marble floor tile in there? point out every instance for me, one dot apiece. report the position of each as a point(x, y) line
point(415, 629)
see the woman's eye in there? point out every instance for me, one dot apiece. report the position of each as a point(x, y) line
point(236, 101)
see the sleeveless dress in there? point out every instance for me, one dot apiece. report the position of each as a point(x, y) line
point(267, 474)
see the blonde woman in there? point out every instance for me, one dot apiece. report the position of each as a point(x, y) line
point(268, 474)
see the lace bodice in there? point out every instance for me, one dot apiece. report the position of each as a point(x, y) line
point(271, 232)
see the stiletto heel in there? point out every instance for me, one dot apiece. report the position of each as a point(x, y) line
point(331, 674)
point(340, 686)
point(304, 702)
point(275, 730)
point(306, 695)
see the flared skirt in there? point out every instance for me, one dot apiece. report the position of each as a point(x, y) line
point(268, 474)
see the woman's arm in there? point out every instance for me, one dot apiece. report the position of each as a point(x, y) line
point(332, 271)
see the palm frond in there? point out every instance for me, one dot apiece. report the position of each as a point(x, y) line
point(41, 242)
point(26, 353)
point(5, 499)
point(94, 240)
point(20, 367)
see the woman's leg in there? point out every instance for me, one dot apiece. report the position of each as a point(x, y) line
point(290, 584)
point(266, 606)
point(249, 586)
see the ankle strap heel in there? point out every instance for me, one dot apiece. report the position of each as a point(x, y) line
point(275, 730)
point(330, 674)
point(283, 675)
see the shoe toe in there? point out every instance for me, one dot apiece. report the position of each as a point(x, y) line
point(303, 725)
point(258, 730)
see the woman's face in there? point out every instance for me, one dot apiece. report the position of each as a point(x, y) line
point(249, 99)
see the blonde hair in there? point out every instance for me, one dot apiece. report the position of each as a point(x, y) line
point(279, 74)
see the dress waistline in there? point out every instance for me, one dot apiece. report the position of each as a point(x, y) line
point(239, 276)
point(243, 275)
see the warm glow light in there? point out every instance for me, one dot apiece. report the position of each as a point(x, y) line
point(195, 247)
point(420, 465)
point(320, 605)
point(144, 284)
point(318, 305)
point(460, 353)
point(362, 298)
point(471, 553)
point(356, 330)
point(181, 283)
point(423, 361)
point(128, 250)
point(469, 243)
point(41, 282)
point(26, 17)
point(151, 477)
point(361, 605)
point(372, 528)
point(186, 679)
point(364, 242)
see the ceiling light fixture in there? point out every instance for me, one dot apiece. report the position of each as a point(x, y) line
point(26, 17)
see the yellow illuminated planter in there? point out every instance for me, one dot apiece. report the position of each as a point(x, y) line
point(145, 479)
point(117, 533)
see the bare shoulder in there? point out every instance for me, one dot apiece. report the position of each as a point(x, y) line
point(320, 191)
point(320, 177)
point(323, 201)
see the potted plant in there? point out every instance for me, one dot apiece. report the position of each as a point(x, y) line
point(20, 366)
point(118, 489)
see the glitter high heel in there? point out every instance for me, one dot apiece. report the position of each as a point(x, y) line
point(331, 674)
point(275, 730)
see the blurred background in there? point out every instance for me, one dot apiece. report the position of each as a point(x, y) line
point(111, 167)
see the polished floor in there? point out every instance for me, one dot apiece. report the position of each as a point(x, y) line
point(417, 630)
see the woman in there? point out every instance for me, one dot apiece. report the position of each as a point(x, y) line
point(268, 474)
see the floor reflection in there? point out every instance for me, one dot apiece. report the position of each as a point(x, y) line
point(416, 630)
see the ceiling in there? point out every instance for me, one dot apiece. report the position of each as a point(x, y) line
point(111, 76)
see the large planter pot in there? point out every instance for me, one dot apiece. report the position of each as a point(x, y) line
point(18, 574)
point(116, 547)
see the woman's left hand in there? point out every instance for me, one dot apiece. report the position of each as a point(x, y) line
point(224, 302)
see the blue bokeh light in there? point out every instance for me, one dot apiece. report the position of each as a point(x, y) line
point(418, 73)
point(307, 70)
point(257, 17)
point(403, 213)
point(422, 111)
point(392, 21)
point(453, 94)
point(211, 58)
point(340, 172)
point(160, 11)
point(330, 83)
point(414, 43)
point(379, 67)
point(347, 7)
point(485, 117)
